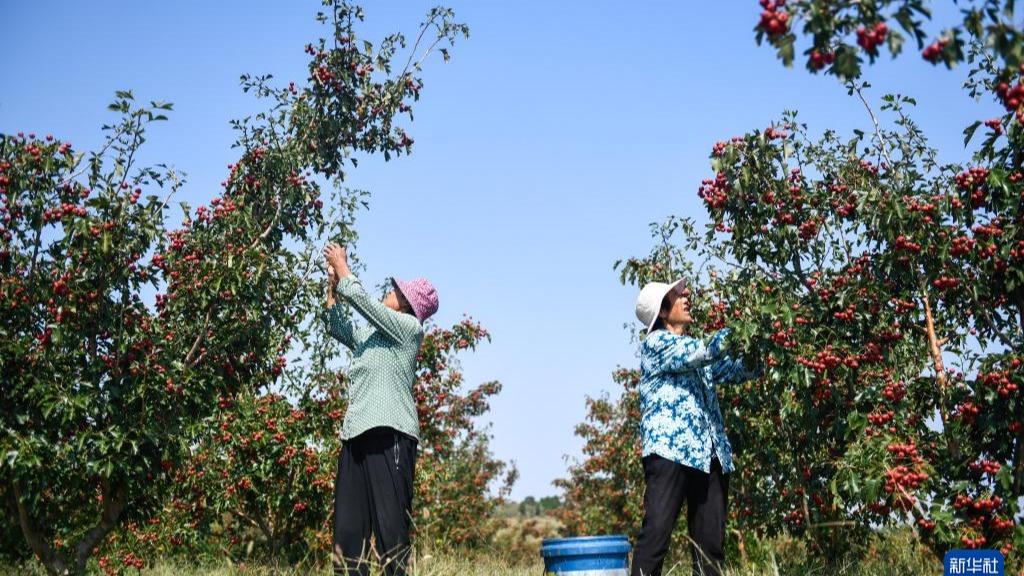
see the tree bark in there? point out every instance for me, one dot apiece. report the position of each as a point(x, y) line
point(114, 503)
point(57, 563)
point(935, 350)
point(53, 561)
point(1018, 453)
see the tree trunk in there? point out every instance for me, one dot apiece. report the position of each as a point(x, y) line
point(53, 561)
point(56, 563)
point(114, 503)
point(1018, 452)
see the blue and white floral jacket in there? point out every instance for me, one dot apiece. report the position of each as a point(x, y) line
point(680, 418)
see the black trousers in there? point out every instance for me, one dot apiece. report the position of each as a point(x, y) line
point(669, 484)
point(373, 495)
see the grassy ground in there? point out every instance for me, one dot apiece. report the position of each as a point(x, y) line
point(464, 566)
point(895, 554)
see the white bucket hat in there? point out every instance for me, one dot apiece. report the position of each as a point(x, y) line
point(648, 303)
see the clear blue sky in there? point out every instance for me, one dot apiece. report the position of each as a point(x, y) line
point(544, 149)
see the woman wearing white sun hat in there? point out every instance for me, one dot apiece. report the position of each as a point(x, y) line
point(686, 454)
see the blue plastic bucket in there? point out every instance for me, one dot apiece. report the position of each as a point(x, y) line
point(586, 556)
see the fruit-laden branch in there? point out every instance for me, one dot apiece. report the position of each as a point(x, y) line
point(1018, 453)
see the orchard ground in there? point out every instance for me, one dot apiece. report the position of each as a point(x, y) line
point(892, 553)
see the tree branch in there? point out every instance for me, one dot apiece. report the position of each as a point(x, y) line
point(199, 338)
point(878, 129)
point(940, 374)
point(113, 505)
point(270, 226)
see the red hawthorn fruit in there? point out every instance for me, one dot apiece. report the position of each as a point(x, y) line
point(869, 39)
point(818, 60)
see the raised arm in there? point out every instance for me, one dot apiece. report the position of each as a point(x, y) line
point(338, 323)
point(729, 370)
point(395, 325)
point(340, 326)
point(667, 352)
point(398, 326)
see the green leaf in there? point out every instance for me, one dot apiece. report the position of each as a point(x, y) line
point(895, 41)
point(786, 50)
point(847, 64)
point(1005, 478)
point(969, 132)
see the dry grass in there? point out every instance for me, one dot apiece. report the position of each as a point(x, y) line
point(893, 554)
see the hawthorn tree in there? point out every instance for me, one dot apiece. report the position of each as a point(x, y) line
point(260, 484)
point(456, 473)
point(884, 290)
point(955, 246)
point(101, 393)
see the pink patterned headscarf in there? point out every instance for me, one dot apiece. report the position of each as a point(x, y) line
point(420, 294)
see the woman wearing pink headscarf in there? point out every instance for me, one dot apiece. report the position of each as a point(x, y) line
point(374, 486)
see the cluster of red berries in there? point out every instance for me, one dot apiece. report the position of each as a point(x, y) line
point(906, 451)
point(981, 505)
point(130, 560)
point(961, 246)
point(881, 418)
point(715, 192)
point(992, 230)
point(868, 166)
point(995, 124)
point(968, 412)
point(323, 75)
point(1012, 97)
point(933, 53)
point(783, 337)
point(1000, 381)
point(1001, 525)
point(819, 60)
point(971, 178)
point(869, 39)
point(719, 148)
point(846, 314)
point(795, 518)
point(808, 230)
point(916, 205)
point(824, 360)
point(945, 283)
point(774, 22)
point(906, 244)
point(65, 209)
point(972, 543)
point(985, 467)
point(903, 477)
point(894, 391)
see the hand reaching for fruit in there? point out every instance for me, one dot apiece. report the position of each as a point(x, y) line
point(337, 259)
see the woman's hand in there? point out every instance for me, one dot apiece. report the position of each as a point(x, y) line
point(337, 259)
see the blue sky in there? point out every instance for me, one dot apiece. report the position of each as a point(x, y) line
point(544, 149)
